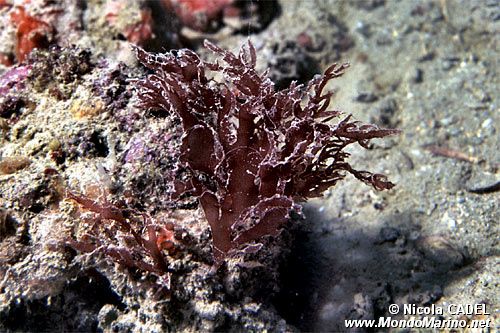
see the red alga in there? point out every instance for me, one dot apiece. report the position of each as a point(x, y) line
point(31, 33)
point(252, 152)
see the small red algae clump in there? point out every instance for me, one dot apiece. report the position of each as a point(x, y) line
point(198, 14)
point(31, 33)
point(166, 238)
point(141, 31)
point(6, 60)
point(137, 33)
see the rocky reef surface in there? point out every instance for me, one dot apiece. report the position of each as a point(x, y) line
point(69, 121)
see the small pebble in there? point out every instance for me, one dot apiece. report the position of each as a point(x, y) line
point(366, 97)
point(9, 165)
point(447, 121)
point(487, 123)
point(363, 29)
point(449, 63)
point(418, 76)
point(389, 234)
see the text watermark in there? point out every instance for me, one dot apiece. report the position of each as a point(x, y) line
point(428, 320)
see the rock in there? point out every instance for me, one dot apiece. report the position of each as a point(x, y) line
point(441, 252)
point(362, 308)
point(107, 315)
